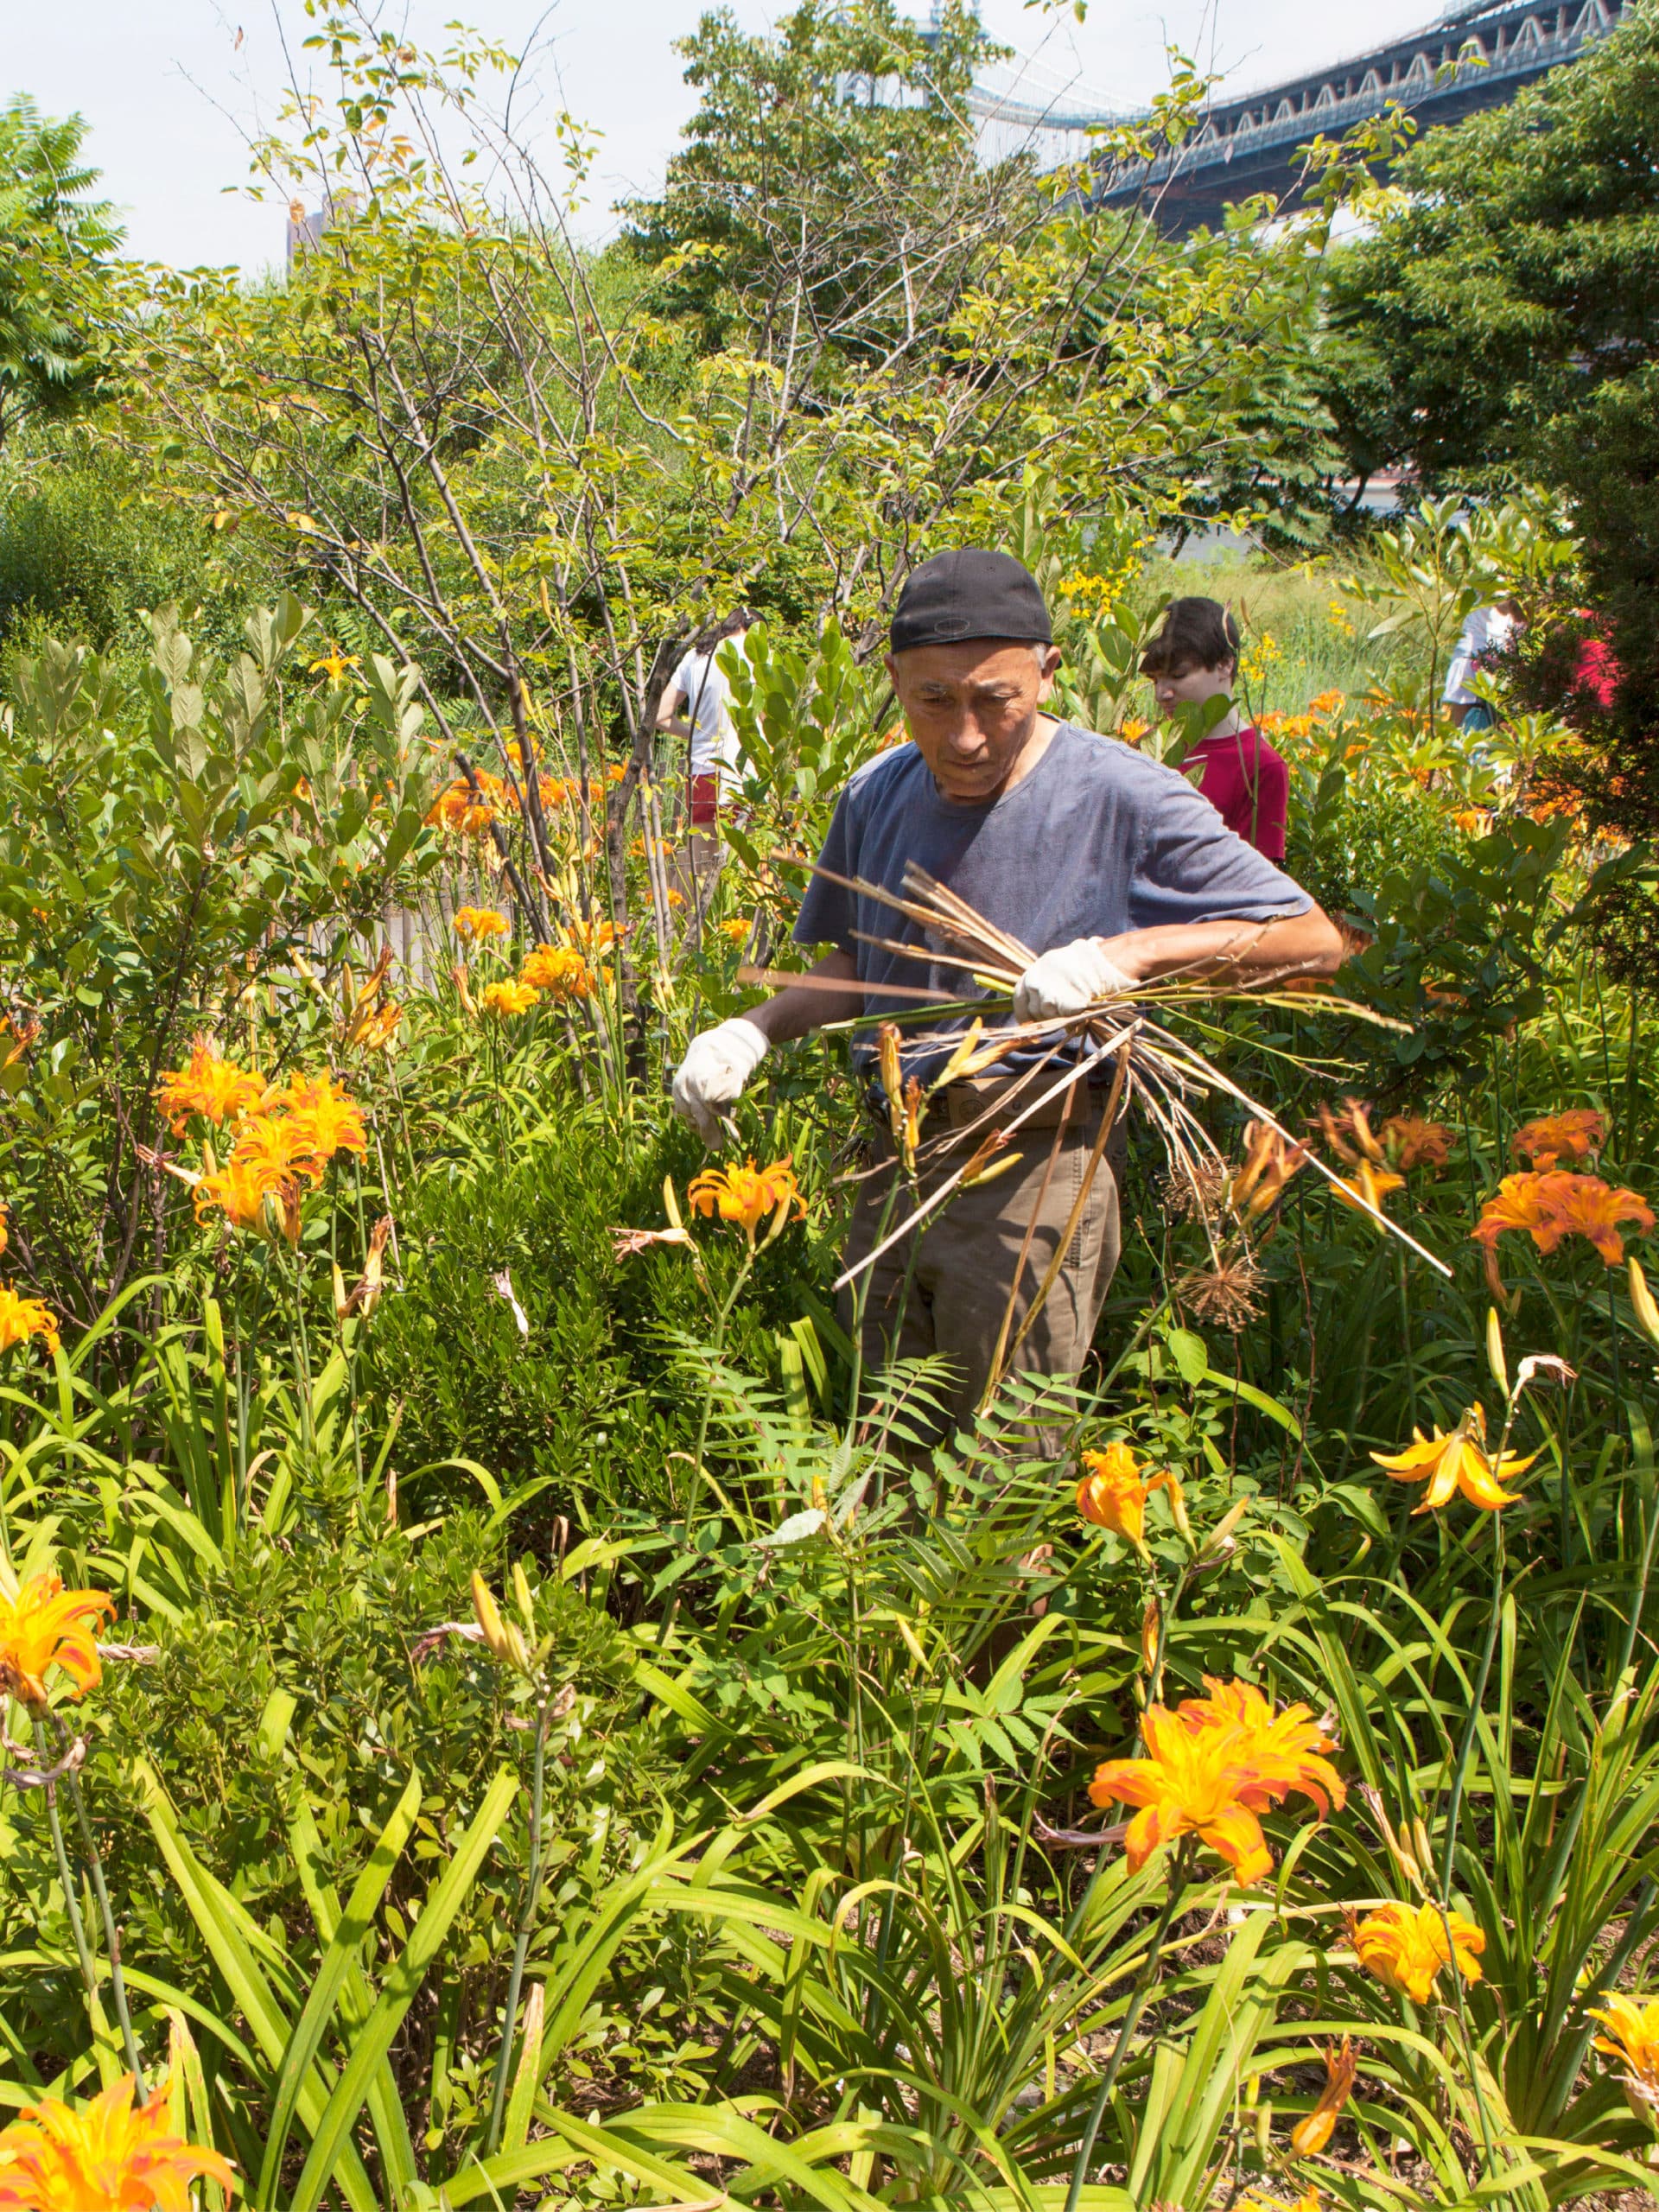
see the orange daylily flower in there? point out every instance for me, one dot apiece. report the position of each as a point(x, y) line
point(559, 970)
point(375, 1030)
point(1347, 1132)
point(1212, 1767)
point(1556, 1204)
point(23, 1318)
point(1270, 1162)
point(1369, 1188)
point(510, 998)
point(240, 1189)
point(449, 807)
point(1311, 2134)
point(313, 1120)
point(748, 1194)
point(1519, 1202)
point(1578, 1134)
point(334, 664)
point(1410, 1141)
point(1405, 1947)
point(595, 939)
point(1583, 1205)
point(478, 922)
point(1113, 1494)
point(369, 1020)
point(1458, 1462)
point(215, 1088)
point(112, 2156)
point(46, 1625)
point(23, 1034)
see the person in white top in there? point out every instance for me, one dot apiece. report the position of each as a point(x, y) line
point(696, 705)
point(1486, 629)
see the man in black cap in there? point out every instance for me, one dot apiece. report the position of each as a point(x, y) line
point(1109, 865)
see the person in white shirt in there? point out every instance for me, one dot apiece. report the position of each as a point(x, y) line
point(696, 705)
point(1487, 629)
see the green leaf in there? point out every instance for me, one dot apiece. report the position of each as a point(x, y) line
point(1190, 1355)
point(338, 1960)
point(331, 2139)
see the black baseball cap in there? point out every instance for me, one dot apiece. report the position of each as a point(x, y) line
point(972, 593)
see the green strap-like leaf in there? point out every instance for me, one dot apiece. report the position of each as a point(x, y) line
point(220, 1919)
point(338, 1960)
point(332, 2138)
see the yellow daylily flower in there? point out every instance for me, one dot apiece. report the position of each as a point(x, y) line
point(1458, 1462)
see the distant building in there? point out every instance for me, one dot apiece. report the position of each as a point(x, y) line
point(306, 231)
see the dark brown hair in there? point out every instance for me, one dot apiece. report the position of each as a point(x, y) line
point(742, 618)
point(1196, 633)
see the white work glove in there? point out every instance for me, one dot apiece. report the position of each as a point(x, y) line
point(712, 1075)
point(1068, 979)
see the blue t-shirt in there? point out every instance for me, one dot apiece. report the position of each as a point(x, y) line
point(1096, 839)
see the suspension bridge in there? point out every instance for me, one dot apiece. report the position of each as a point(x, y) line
point(1477, 54)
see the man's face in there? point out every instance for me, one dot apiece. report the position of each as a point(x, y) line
point(1188, 686)
point(972, 708)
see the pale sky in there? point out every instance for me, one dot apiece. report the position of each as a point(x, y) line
point(168, 90)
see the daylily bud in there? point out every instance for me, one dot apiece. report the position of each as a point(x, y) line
point(489, 1620)
point(521, 1591)
point(1151, 1625)
point(1178, 1511)
point(1425, 1849)
point(972, 1180)
point(671, 1205)
point(1310, 2135)
point(960, 1057)
point(1220, 1537)
point(1495, 1358)
point(1641, 1302)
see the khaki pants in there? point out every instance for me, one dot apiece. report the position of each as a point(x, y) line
point(966, 1256)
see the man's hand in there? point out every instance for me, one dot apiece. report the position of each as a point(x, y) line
point(1068, 979)
point(712, 1075)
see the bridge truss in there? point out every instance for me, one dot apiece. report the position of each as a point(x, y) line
point(1473, 56)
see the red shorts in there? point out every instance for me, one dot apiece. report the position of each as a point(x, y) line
point(705, 801)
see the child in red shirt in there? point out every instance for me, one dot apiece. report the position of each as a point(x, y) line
point(1193, 657)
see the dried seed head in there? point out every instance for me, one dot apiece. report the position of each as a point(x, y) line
point(1228, 1293)
point(1194, 1193)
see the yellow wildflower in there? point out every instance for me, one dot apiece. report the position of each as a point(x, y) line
point(1458, 1462)
point(1634, 2023)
